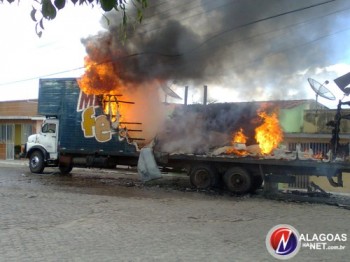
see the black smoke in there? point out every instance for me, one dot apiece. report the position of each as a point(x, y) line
point(258, 47)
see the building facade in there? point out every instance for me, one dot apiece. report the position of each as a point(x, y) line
point(18, 120)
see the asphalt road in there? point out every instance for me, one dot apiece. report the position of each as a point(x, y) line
point(100, 215)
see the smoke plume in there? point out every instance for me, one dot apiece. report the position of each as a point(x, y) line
point(256, 47)
point(263, 50)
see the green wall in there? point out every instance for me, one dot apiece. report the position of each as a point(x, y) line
point(291, 119)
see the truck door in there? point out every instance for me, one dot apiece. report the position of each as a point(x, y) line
point(49, 136)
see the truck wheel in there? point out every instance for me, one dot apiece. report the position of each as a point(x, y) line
point(238, 180)
point(65, 169)
point(36, 162)
point(203, 176)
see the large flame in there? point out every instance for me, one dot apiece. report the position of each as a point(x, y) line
point(99, 78)
point(112, 107)
point(130, 106)
point(269, 134)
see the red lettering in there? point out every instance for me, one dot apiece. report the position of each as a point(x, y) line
point(85, 101)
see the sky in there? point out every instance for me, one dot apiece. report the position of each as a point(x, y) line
point(23, 55)
point(242, 50)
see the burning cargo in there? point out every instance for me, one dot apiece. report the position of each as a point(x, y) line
point(199, 129)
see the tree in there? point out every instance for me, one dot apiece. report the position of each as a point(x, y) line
point(47, 9)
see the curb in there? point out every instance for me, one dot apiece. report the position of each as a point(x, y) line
point(14, 162)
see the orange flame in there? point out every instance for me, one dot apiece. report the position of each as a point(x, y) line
point(112, 107)
point(318, 156)
point(269, 134)
point(129, 106)
point(239, 137)
point(99, 78)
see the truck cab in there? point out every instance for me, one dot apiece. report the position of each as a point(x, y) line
point(41, 148)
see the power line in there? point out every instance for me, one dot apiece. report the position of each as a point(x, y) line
point(258, 21)
point(184, 53)
point(218, 34)
point(42, 76)
point(282, 29)
point(214, 7)
point(290, 48)
point(182, 11)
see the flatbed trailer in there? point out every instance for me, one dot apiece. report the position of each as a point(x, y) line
point(245, 174)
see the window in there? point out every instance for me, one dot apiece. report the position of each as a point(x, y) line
point(2, 134)
point(26, 131)
point(48, 128)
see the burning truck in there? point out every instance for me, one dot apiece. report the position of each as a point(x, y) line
point(237, 144)
point(112, 115)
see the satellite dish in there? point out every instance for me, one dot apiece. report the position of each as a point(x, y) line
point(320, 89)
point(343, 82)
point(168, 91)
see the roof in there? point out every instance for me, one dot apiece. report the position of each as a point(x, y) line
point(22, 118)
point(287, 104)
point(19, 108)
point(282, 104)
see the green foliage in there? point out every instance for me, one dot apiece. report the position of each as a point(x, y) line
point(48, 9)
point(60, 4)
point(107, 5)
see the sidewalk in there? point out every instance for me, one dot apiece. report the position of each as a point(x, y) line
point(16, 162)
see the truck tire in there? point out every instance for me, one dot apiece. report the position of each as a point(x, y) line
point(65, 169)
point(238, 180)
point(36, 162)
point(203, 176)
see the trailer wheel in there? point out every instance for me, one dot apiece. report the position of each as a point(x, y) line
point(65, 169)
point(238, 180)
point(203, 176)
point(36, 162)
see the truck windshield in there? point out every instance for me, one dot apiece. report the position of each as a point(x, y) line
point(48, 128)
